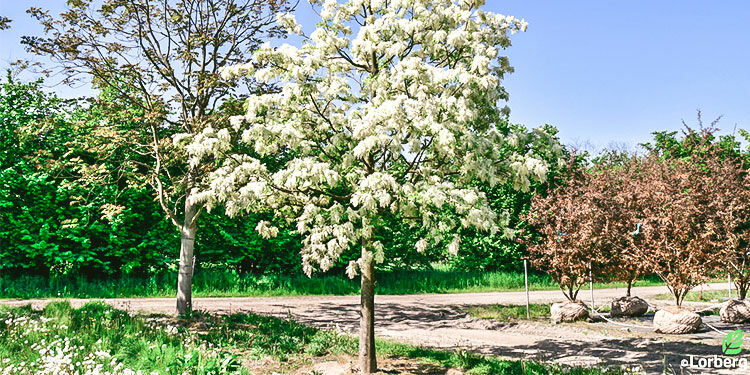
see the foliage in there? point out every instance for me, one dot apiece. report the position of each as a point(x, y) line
point(680, 212)
point(46, 224)
point(74, 199)
point(613, 180)
point(390, 122)
point(162, 57)
point(97, 339)
point(726, 163)
point(345, 175)
point(482, 251)
point(731, 181)
point(570, 246)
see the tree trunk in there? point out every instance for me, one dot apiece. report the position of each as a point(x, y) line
point(187, 243)
point(630, 286)
point(742, 289)
point(367, 361)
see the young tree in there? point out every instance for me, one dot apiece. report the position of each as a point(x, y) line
point(165, 57)
point(388, 108)
point(621, 207)
point(679, 235)
point(730, 181)
point(726, 166)
point(569, 225)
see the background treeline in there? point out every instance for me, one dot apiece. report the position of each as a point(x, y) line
point(73, 202)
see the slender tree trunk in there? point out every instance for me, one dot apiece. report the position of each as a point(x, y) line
point(187, 243)
point(742, 289)
point(630, 286)
point(367, 361)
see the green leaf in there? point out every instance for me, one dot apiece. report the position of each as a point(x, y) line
point(732, 344)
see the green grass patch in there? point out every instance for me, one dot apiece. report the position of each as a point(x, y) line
point(63, 340)
point(509, 312)
point(705, 296)
point(224, 283)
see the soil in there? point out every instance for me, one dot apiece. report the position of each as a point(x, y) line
point(440, 321)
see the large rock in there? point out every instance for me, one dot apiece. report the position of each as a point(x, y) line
point(676, 320)
point(735, 311)
point(567, 312)
point(628, 306)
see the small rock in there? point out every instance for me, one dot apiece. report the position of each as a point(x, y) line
point(628, 306)
point(569, 311)
point(735, 311)
point(454, 372)
point(676, 320)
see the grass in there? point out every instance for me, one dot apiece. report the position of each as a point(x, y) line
point(705, 296)
point(62, 340)
point(223, 283)
point(509, 312)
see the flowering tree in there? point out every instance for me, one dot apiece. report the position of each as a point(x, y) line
point(388, 108)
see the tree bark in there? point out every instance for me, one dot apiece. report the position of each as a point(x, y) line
point(187, 244)
point(630, 286)
point(367, 360)
point(742, 289)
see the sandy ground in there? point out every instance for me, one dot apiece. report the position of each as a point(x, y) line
point(439, 320)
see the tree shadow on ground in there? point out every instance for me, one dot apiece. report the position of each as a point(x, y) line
point(652, 354)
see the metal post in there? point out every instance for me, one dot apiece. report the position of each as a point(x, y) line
point(591, 287)
point(526, 281)
point(729, 284)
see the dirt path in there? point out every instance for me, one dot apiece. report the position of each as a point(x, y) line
point(438, 320)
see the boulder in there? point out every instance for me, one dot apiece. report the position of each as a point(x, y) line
point(735, 311)
point(569, 311)
point(628, 306)
point(676, 320)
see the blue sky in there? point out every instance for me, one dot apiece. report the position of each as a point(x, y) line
point(601, 71)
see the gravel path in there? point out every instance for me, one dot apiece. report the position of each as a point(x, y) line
point(439, 320)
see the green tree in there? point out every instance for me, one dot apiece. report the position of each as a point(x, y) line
point(503, 251)
point(56, 221)
point(163, 57)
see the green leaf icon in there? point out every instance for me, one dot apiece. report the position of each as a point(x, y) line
point(732, 344)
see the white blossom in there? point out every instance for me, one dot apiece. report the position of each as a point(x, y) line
point(396, 111)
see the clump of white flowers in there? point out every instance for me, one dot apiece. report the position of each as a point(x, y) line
point(56, 355)
point(50, 349)
point(388, 107)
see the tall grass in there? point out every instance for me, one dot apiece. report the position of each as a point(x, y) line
point(224, 283)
